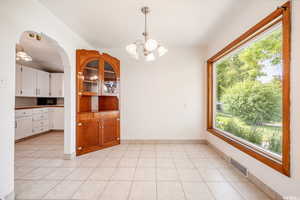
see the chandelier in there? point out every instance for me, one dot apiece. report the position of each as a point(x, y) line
point(148, 48)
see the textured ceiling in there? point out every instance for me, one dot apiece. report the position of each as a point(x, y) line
point(116, 23)
point(45, 53)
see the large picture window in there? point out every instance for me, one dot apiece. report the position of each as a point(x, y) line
point(248, 85)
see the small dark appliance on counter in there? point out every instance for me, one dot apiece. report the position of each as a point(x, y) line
point(46, 101)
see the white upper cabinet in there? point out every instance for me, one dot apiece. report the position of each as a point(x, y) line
point(18, 80)
point(33, 83)
point(28, 82)
point(57, 84)
point(42, 79)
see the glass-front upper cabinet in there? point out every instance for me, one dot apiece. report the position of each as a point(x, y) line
point(110, 85)
point(90, 80)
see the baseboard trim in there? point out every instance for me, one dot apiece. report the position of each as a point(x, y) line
point(266, 189)
point(32, 136)
point(57, 130)
point(10, 196)
point(70, 156)
point(251, 177)
point(163, 141)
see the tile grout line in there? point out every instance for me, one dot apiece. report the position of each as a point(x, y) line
point(62, 180)
point(109, 179)
point(230, 182)
point(131, 184)
point(156, 177)
point(178, 176)
point(107, 182)
point(203, 180)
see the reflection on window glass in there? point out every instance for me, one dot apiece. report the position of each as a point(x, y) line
point(249, 92)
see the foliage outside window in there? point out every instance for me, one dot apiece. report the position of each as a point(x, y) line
point(249, 92)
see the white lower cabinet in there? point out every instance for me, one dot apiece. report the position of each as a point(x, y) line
point(40, 120)
point(23, 127)
point(56, 118)
point(34, 121)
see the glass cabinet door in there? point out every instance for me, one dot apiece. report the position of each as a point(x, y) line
point(111, 80)
point(90, 78)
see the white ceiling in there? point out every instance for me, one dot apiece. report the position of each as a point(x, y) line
point(116, 23)
point(45, 53)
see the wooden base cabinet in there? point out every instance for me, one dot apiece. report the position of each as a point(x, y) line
point(96, 131)
point(88, 136)
point(110, 129)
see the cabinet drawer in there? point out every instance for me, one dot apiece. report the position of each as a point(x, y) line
point(40, 110)
point(40, 123)
point(23, 113)
point(46, 127)
point(42, 116)
point(41, 129)
point(36, 130)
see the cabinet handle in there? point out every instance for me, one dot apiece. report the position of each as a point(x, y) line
point(79, 124)
point(79, 148)
point(16, 124)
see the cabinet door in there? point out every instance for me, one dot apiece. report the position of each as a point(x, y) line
point(42, 84)
point(110, 86)
point(88, 136)
point(58, 118)
point(18, 79)
point(28, 81)
point(51, 118)
point(57, 84)
point(110, 130)
point(23, 127)
point(89, 78)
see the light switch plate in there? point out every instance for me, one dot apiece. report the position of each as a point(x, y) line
point(3, 83)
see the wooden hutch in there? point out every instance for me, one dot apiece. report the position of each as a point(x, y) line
point(98, 114)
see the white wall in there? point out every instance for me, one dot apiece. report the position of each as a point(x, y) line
point(284, 185)
point(162, 99)
point(16, 17)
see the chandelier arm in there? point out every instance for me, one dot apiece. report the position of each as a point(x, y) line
point(145, 10)
point(146, 31)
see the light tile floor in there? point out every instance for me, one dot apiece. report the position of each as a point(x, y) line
point(127, 172)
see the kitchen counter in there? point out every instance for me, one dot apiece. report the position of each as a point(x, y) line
point(38, 106)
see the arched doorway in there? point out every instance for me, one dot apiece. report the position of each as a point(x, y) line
point(40, 96)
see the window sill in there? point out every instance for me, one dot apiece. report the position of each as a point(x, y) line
point(251, 151)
